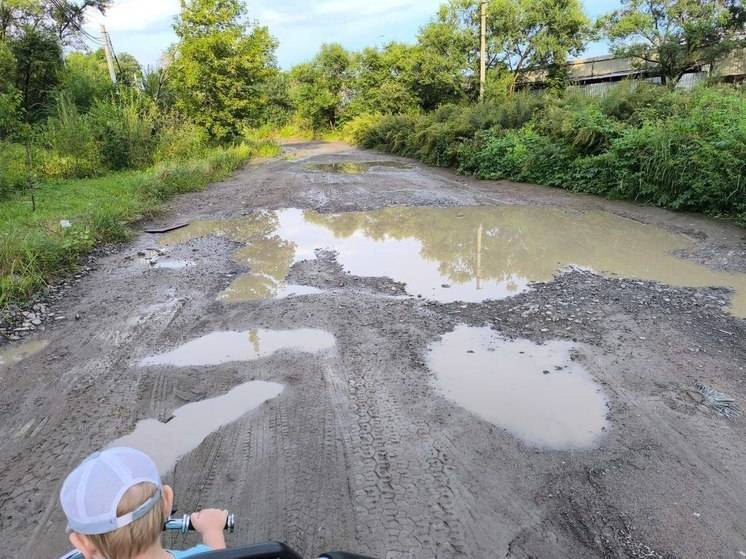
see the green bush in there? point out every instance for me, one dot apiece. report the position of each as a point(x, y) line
point(524, 155)
point(356, 129)
point(125, 129)
point(13, 168)
point(681, 150)
point(70, 136)
point(179, 140)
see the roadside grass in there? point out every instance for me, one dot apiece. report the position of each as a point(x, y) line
point(74, 216)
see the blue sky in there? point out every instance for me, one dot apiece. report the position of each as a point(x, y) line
point(143, 27)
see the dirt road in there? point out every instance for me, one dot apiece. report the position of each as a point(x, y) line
point(367, 316)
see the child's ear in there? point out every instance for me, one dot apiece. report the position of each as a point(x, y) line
point(168, 500)
point(83, 544)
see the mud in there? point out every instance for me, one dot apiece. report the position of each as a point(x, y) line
point(14, 354)
point(539, 393)
point(354, 167)
point(362, 450)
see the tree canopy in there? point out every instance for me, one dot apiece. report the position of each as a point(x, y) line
point(520, 34)
point(221, 66)
point(675, 37)
point(63, 18)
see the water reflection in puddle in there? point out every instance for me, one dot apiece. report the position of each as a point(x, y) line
point(458, 254)
point(193, 423)
point(172, 264)
point(16, 353)
point(226, 347)
point(535, 392)
point(354, 167)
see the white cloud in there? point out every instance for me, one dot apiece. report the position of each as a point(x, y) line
point(134, 15)
point(364, 7)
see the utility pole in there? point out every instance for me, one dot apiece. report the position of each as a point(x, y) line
point(483, 52)
point(109, 54)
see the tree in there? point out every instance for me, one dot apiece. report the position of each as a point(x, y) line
point(221, 66)
point(38, 61)
point(129, 71)
point(62, 18)
point(521, 34)
point(321, 90)
point(436, 79)
point(675, 37)
point(399, 77)
point(85, 78)
point(383, 80)
point(157, 87)
point(10, 97)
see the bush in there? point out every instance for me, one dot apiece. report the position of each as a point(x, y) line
point(13, 168)
point(125, 129)
point(356, 129)
point(70, 136)
point(523, 155)
point(681, 150)
point(180, 140)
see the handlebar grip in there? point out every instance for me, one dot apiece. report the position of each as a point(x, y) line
point(184, 524)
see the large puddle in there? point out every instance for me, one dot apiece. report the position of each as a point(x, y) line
point(227, 347)
point(535, 392)
point(16, 353)
point(191, 424)
point(458, 254)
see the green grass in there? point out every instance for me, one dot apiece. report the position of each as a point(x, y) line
point(36, 249)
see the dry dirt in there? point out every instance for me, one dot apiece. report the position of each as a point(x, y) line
point(360, 451)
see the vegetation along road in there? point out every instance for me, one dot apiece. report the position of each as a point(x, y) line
point(464, 296)
point(349, 349)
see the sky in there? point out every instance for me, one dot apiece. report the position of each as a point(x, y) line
point(143, 28)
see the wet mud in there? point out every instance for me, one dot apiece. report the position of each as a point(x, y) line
point(13, 354)
point(355, 167)
point(454, 369)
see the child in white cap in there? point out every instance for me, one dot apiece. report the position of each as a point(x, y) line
point(116, 506)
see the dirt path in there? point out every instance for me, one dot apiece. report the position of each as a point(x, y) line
point(361, 450)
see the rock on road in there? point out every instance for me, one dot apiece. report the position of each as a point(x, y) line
point(360, 451)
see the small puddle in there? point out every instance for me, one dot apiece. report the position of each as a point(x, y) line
point(354, 167)
point(535, 392)
point(228, 347)
point(172, 264)
point(290, 290)
point(457, 254)
point(15, 353)
point(191, 424)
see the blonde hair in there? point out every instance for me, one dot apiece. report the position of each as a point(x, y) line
point(138, 537)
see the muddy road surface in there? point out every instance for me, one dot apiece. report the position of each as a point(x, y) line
point(350, 350)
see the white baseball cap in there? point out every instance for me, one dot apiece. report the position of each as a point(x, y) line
point(91, 493)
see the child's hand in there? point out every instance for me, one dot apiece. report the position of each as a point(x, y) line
point(210, 523)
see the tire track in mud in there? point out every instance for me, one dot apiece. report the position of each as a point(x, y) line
point(67, 403)
point(399, 479)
